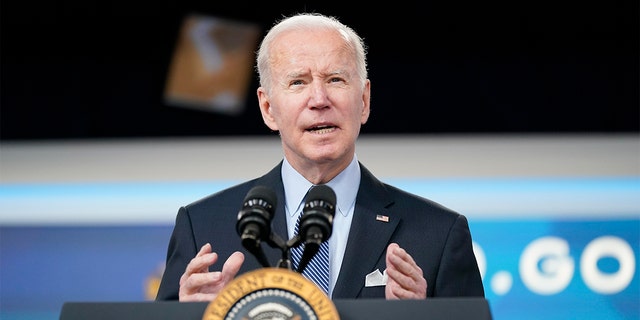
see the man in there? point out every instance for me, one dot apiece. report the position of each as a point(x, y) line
point(315, 92)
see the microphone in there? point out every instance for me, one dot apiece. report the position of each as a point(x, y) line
point(316, 222)
point(254, 220)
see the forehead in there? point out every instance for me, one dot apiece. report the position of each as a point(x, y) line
point(319, 46)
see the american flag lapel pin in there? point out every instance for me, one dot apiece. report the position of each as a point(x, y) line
point(382, 218)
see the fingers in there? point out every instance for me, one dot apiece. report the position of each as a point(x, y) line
point(198, 284)
point(232, 266)
point(201, 287)
point(401, 261)
point(405, 278)
point(200, 263)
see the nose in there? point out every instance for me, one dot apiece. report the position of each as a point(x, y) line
point(319, 96)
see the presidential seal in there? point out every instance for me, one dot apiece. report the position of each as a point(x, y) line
point(271, 293)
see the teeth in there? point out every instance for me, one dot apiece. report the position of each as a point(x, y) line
point(322, 129)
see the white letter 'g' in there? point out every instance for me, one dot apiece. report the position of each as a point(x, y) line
point(545, 266)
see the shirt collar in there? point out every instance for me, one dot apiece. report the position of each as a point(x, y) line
point(345, 185)
point(295, 188)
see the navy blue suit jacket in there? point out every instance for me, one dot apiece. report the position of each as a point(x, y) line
point(438, 239)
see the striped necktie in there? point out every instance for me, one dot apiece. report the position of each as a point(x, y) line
point(318, 268)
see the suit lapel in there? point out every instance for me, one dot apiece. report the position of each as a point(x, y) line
point(368, 236)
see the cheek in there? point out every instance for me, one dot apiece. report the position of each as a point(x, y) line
point(283, 118)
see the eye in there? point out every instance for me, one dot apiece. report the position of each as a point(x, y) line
point(296, 83)
point(336, 80)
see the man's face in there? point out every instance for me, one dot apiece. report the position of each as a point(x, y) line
point(316, 102)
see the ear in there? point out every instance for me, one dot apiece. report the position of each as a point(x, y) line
point(265, 109)
point(366, 102)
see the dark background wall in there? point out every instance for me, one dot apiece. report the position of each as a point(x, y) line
point(86, 69)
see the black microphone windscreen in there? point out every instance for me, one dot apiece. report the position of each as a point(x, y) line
point(322, 192)
point(264, 193)
point(254, 220)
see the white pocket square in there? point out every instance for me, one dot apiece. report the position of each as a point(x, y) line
point(376, 278)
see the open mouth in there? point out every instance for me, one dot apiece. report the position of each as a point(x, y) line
point(321, 129)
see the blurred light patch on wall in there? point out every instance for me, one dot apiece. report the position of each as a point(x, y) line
point(212, 65)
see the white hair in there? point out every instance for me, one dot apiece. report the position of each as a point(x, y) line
point(310, 21)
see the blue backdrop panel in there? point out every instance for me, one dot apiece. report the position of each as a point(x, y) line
point(42, 267)
point(560, 269)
